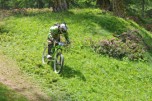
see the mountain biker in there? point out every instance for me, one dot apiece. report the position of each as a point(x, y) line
point(54, 35)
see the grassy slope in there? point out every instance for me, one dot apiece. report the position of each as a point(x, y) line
point(10, 95)
point(86, 75)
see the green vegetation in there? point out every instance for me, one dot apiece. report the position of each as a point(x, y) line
point(87, 75)
point(128, 45)
point(9, 95)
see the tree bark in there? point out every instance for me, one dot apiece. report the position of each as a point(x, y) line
point(59, 5)
point(143, 8)
point(118, 8)
point(103, 4)
point(99, 2)
point(3, 4)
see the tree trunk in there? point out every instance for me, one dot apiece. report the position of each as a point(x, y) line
point(143, 8)
point(59, 5)
point(103, 4)
point(40, 4)
point(3, 4)
point(68, 3)
point(118, 8)
point(99, 2)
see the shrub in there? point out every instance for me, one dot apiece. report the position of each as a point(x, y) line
point(128, 44)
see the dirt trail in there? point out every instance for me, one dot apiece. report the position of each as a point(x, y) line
point(11, 76)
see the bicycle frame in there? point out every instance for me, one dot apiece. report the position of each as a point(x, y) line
point(56, 46)
point(57, 57)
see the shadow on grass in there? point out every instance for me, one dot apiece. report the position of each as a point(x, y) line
point(71, 73)
point(107, 22)
point(88, 18)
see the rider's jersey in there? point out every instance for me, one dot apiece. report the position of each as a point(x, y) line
point(54, 30)
point(55, 33)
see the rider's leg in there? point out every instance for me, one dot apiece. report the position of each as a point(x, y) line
point(50, 46)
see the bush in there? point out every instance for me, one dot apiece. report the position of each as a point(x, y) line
point(128, 44)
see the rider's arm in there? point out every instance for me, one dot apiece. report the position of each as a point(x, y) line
point(50, 38)
point(67, 37)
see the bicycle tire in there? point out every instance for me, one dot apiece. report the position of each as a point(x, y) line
point(44, 55)
point(59, 62)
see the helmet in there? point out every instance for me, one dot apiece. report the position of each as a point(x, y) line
point(63, 27)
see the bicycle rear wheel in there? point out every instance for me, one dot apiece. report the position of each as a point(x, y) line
point(44, 55)
point(59, 62)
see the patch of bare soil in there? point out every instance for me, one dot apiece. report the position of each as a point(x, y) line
point(11, 76)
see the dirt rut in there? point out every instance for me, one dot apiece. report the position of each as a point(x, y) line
point(11, 76)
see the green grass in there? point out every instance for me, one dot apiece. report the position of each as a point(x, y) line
point(7, 94)
point(87, 76)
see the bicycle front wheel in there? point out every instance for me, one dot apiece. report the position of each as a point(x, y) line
point(58, 63)
point(44, 55)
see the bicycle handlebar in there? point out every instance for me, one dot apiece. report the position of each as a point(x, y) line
point(60, 43)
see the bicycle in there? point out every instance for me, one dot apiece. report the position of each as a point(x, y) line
point(57, 57)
